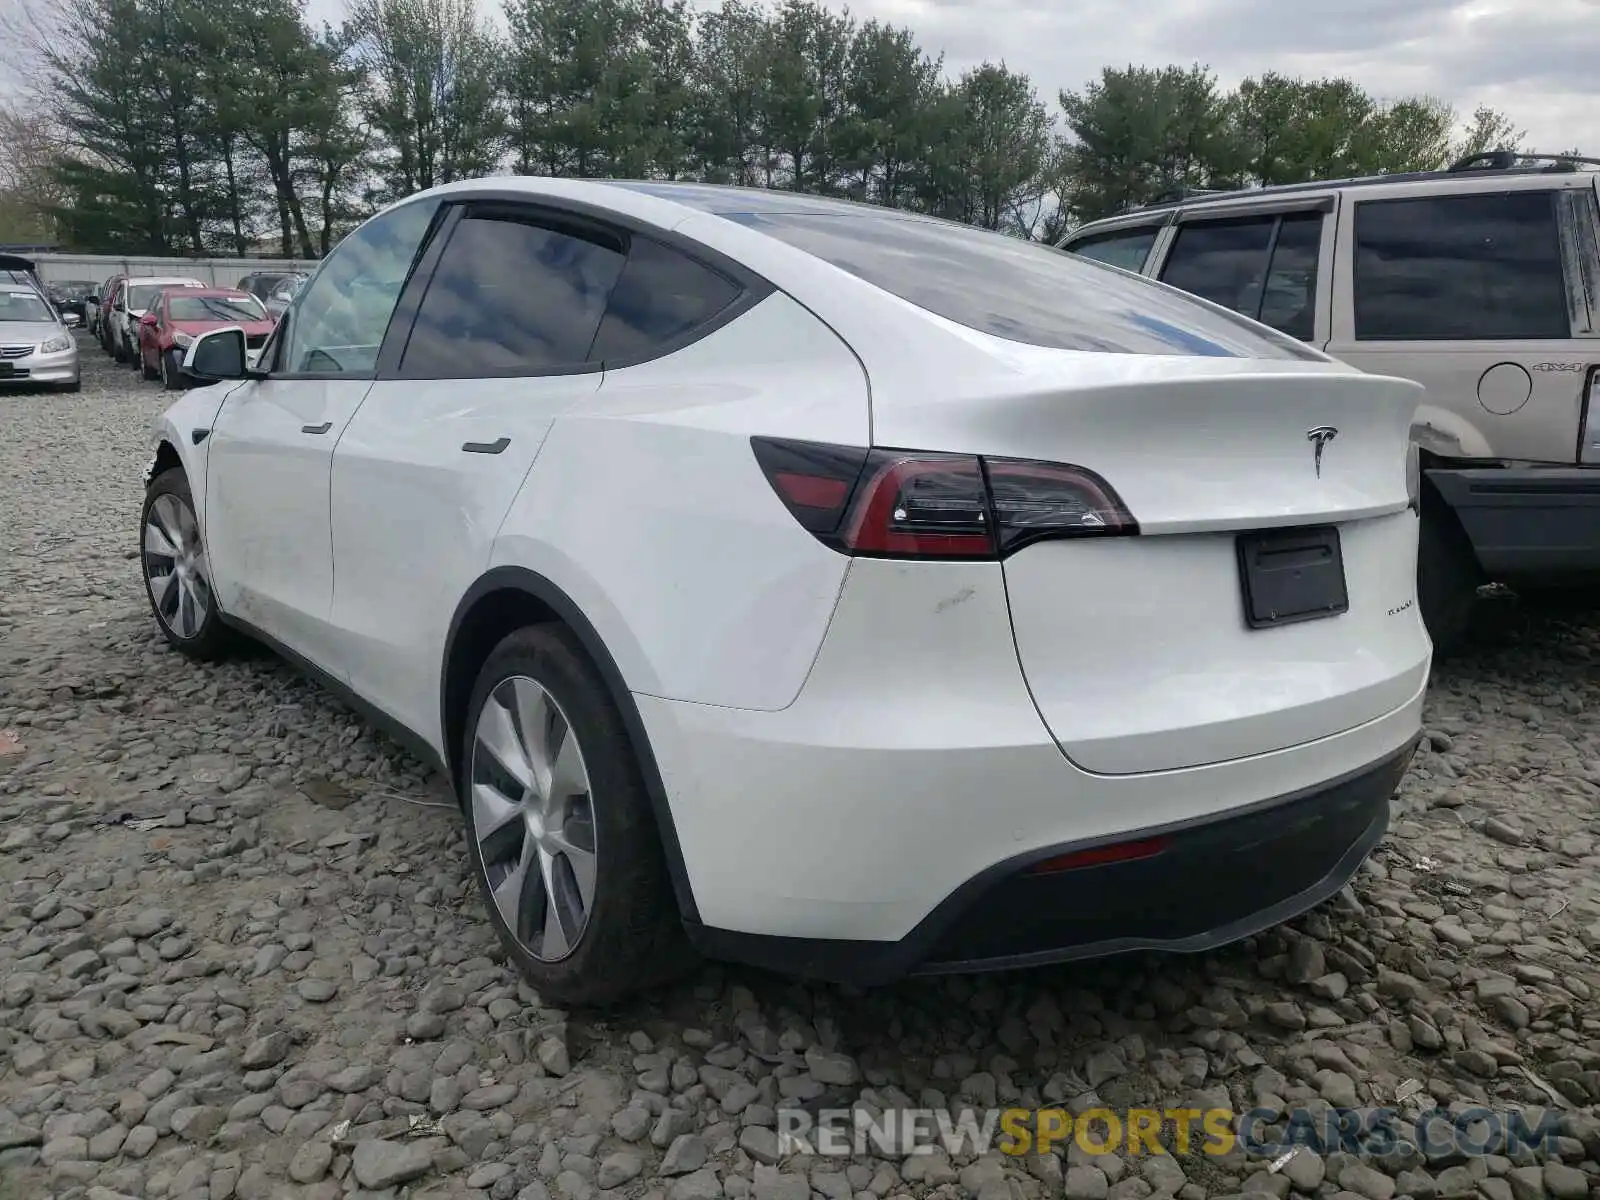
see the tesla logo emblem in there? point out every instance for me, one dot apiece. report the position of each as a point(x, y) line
point(1320, 437)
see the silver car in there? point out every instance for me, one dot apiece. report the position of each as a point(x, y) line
point(36, 348)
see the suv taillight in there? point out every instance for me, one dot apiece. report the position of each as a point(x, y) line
point(878, 503)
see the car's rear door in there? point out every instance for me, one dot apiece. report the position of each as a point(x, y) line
point(501, 316)
point(1462, 288)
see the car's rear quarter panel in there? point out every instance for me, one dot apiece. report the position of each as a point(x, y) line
point(648, 508)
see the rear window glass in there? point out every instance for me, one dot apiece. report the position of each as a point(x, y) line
point(215, 308)
point(1022, 291)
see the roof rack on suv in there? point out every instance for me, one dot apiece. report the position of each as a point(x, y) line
point(1510, 160)
point(1183, 192)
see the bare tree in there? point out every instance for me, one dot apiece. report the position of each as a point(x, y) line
point(29, 191)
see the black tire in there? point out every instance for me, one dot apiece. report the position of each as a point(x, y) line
point(1448, 577)
point(75, 386)
point(212, 639)
point(171, 372)
point(119, 349)
point(634, 938)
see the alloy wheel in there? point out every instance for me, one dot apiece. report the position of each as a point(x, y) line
point(175, 566)
point(533, 818)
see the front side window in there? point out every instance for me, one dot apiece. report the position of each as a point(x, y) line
point(1263, 267)
point(1483, 267)
point(512, 296)
point(1289, 296)
point(338, 322)
point(1224, 261)
point(1125, 248)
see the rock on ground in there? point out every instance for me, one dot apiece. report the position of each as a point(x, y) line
point(236, 962)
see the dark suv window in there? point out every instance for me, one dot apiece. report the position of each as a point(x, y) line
point(1125, 248)
point(661, 296)
point(1444, 268)
point(1264, 267)
point(511, 297)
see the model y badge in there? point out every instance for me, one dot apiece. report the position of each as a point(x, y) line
point(1320, 437)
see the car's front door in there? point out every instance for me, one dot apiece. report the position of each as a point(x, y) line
point(268, 532)
point(506, 307)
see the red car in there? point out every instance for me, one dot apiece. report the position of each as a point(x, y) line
point(180, 315)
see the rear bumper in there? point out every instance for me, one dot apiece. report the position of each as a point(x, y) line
point(844, 835)
point(1530, 522)
point(1214, 881)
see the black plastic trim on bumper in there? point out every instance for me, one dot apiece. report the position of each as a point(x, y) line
point(1290, 854)
point(1527, 521)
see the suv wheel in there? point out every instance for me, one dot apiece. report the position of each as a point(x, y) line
point(559, 826)
point(176, 575)
point(1448, 578)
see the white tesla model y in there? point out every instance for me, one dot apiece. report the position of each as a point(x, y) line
point(812, 584)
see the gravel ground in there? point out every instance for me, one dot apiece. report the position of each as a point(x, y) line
point(240, 954)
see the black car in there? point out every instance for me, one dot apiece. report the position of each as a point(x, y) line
point(73, 295)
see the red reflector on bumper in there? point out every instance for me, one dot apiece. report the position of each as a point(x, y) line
point(1100, 856)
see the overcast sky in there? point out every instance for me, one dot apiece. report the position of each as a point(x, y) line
point(1536, 60)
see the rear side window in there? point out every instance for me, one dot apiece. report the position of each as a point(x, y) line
point(511, 297)
point(1470, 268)
point(661, 296)
point(1021, 291)
point(1125, 248)
point(1264, 267)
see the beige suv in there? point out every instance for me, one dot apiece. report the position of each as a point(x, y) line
point(1482, 283)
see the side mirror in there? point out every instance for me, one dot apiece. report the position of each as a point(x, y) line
point(216, 354)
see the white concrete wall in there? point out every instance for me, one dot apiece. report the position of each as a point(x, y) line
point(218, 272)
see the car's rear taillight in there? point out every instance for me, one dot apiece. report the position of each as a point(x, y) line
point(916, 504)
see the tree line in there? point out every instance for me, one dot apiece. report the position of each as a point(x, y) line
point(236, 127)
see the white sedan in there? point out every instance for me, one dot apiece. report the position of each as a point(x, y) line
point(814, 585)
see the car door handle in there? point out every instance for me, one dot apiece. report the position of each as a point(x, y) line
point(323, 428)
point(493, 447)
